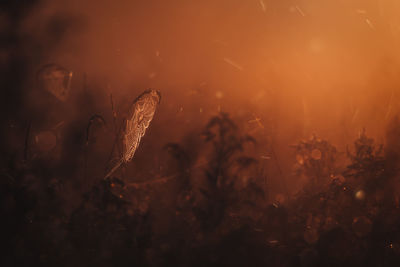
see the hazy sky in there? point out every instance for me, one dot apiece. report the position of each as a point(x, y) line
point(317, 66)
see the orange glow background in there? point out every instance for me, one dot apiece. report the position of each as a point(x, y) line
point(300, 67)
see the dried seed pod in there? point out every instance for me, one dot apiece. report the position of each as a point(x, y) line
point(140, 116)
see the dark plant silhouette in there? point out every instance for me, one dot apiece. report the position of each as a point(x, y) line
point(367, 158)
point(227, 153)
point(316, 159)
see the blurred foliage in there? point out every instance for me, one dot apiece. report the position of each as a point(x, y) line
point(316, 159)
point(209, 213)
point(227, 154)
point(367, 158)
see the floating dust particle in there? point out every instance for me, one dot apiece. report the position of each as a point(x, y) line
point(219, 94)
point(300, 159)
point(263, 7)
point(389, 108)
point(258, 121)
point(273, 242)
point(233, 63)
point(59, 125)
point(354, 116)
point(300, 11)
point(360, 195)
point(370, 24)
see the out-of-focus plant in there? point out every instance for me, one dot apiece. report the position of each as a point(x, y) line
point(227, 154)
point(316, 159)
point(367, 159)
point(228, 143)
point(366, 173)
